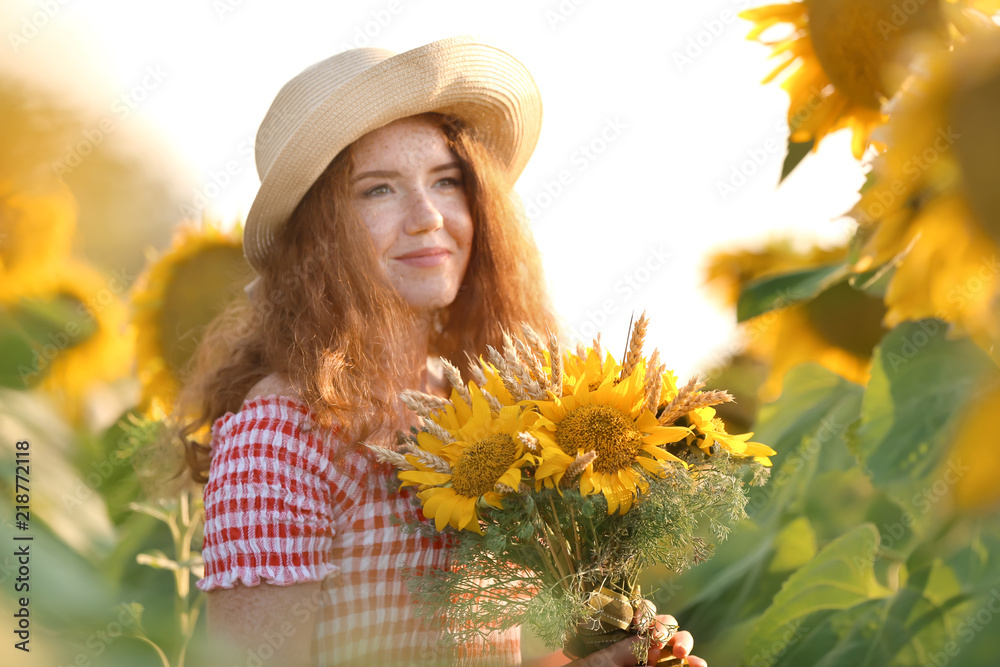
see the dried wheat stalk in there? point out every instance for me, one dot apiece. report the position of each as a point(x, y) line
point(432, 461)
point(579, 465)
point(421, 403)
point(456, 381)
point(634, 353)
point(438, 431)
point(530, 442)
point(556, 361)
point(688, 399)
point(383, 454)
point(495, 405)
point(654, 381)
point(505, 374)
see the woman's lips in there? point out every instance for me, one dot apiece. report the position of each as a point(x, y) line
point(425, 257)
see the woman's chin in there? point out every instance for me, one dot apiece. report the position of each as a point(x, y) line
point(430, 302)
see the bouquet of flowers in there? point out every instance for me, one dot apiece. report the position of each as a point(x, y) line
point(560, 477)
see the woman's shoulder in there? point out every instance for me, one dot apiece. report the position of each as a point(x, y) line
point(274, 384)
point(272, 405)
point(275, 421)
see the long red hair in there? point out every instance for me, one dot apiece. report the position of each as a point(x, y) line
point(325, 316)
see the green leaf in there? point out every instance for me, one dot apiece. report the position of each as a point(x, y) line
point(840, 577)
point(920, 383)
point(797, 151)
point(794, 547)
point(33, 332)
point(774, 292)
point(897, 630)
point(874, 282)
point(16, 355)
point(807, 427)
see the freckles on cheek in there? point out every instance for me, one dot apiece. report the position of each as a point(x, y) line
point(380, 238)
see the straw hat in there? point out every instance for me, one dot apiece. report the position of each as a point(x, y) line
point(331, 104)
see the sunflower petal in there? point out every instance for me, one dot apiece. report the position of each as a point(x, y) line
point(665, 435)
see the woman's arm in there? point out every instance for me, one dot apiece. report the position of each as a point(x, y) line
point(264, 475)
point(274, 623)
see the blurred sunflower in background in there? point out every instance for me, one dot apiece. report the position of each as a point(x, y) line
point(65, 324)
point(71, 240)
point(932, 211)
point(37, 223)
point(837, 329)
point(977, 488)
point(176, 297)
point(845, 56)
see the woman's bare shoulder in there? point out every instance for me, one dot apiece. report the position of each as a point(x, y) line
point(274, 383)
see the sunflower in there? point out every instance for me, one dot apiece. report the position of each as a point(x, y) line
point(846, 52)
point(481, 463)
point(933, 203)
point(709, 431)
point(92, 342)
point(588, 367)
point(727, 273)
point(36, 233)
point(838, 329)
point(976, 488)
point(609, 418)
point(174, 300)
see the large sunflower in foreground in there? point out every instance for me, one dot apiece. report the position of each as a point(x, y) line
point(476, 457)
point(611, 419)
point(933, 210)
point(844, 56)
point(174, 300)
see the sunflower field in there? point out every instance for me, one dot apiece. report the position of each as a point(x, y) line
point(871, 368)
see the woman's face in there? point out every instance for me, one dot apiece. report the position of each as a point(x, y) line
point(407, 187)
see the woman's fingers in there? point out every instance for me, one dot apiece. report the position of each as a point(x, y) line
point(644, 614)
point(682, 643)
point(665, 637)
point(663, 629)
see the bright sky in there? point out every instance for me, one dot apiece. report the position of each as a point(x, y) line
point(663, 96)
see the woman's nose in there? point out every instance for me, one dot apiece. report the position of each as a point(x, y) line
point(423, 215)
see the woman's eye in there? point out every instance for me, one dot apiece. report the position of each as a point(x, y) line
point(376, 190)
point(450, 181)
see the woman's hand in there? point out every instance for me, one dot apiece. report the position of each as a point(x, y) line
point(679, 644)
point(666, 639)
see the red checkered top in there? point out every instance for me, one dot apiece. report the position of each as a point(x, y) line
point(278, 510)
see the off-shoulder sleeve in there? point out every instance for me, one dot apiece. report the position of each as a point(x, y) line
point(269, 498)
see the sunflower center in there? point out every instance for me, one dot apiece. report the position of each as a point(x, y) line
point(856, 40)
point(192, 297)
point(482, 464)
point(603, 429)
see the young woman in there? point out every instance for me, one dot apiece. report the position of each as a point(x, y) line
point(384, 235)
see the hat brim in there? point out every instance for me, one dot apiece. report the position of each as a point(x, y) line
point(461, 76)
